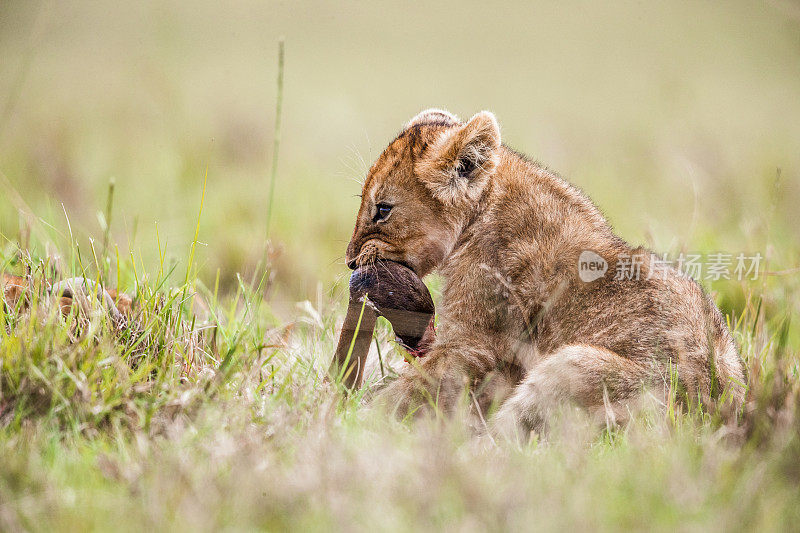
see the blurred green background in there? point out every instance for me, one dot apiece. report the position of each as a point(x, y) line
point(675, 118)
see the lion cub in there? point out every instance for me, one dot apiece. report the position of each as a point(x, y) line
point(532, 315)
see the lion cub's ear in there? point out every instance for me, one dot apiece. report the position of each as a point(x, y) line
point(434, 115)
point(458, 165)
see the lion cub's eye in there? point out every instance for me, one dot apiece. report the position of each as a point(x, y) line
point(382, 211)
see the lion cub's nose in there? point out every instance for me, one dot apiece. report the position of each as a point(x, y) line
point(351, 264)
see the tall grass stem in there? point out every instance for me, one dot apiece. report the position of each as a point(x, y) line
point(276, 141)
point(194, 243)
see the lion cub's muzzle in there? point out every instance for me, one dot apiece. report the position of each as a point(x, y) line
point(367, 255)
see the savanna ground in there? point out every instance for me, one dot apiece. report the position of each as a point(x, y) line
point(209, 411)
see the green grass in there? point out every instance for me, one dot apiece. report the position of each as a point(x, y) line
point(209, 409)
point(229, 424)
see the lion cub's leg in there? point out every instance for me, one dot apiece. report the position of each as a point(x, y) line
point(446, 375)
point(582, 375)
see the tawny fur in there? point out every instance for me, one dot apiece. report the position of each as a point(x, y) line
point(16, 292)
point(518, 326)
